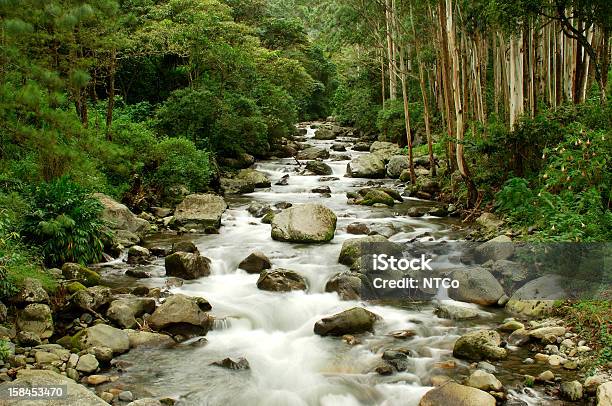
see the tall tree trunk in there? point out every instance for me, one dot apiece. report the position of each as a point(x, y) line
point(111, 94)
point(407, 117)
point(390, 46)
point(460, 126)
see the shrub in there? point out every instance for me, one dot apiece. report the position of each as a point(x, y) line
point(5, 349)
point(65, 223)
point(177, 161)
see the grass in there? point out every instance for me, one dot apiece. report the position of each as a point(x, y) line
point(17, 264)
point(591, 320)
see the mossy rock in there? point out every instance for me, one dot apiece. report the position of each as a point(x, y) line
point(80, 273)
point(267, 219)
point(377, 196)
point(74, 287)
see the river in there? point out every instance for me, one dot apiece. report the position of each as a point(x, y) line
point(289, 364)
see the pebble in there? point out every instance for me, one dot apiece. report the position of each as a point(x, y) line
point(555, 360)
point(126, 396)
point(528, 361)
point(546, 376)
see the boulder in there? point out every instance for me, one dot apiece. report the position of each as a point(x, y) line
point(479, 345)
point(75, 394)
point(140, 338)
point(324, 134)
point(604, 394)
point(119, 217)
point(495, 249)
point(361, 146)
point(255, 262)
point(476, 285)
point(184, 246)
point(348, 285)
point(94, 298)
point(571, 390)
point(447, 311)
point(281, 280)
point(228, 363)
point(352, 321)
point(101, 335)
point(354, 249)
point(310, 222)
point(187, 265)
point(484, 381)
point(87, 364)
point(319, 168)
point(231, 186)
point(80, 273)
point(180, 314)
point(28, 339)
point(537, 297)
point(313, 153)
point(161, 212)
point(35, 318)
point(124, 311)
point(452, 393)
point(376, 196)
point(200, 211)
point(138, 254)
point(366, 166)
point(384, 150)
point(259, 209)
point(256, 178)
point(31, 291)
point(357, 228)
point(397, 164)
point(338, 147)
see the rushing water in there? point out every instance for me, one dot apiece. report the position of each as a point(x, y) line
point(290, 365)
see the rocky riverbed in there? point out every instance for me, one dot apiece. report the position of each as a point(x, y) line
point(255, 298)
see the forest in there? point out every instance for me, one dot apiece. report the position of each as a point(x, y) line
point(474, 120)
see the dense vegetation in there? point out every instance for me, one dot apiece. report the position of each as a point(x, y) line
point(135, 98)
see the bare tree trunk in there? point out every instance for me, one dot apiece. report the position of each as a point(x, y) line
point(392, 79)
point(452, 48)
point(111, 95)
point(407, 117)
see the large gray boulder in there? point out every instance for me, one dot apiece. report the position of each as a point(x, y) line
point(384, 150)
point(319, 168)
point(258, 179)
point(476, 285)
point(93, 298)
point(324, 134)
point(537, 297)
point(366, 166)
point(200, 211)
point(80, 273)
point(231, 186)
point(76, 394)
point(102, 335)
point(187, 265)
point(119, 217)
point(281, 280)
point(353, 250)
point(180, 314)
point(495, 249)
point(352, 321)
point(124, 311)
point(310, 222)
point(35, 318)
point(313, 153)
point(452, 393)
point(479, 345)
point(397, 164)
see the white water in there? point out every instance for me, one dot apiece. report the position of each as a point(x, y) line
point(290, 365)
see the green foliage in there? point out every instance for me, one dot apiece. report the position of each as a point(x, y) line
point(391, 123)
point(5, 349)
point(356, 106)
point(178, 162)
point(65, 223)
